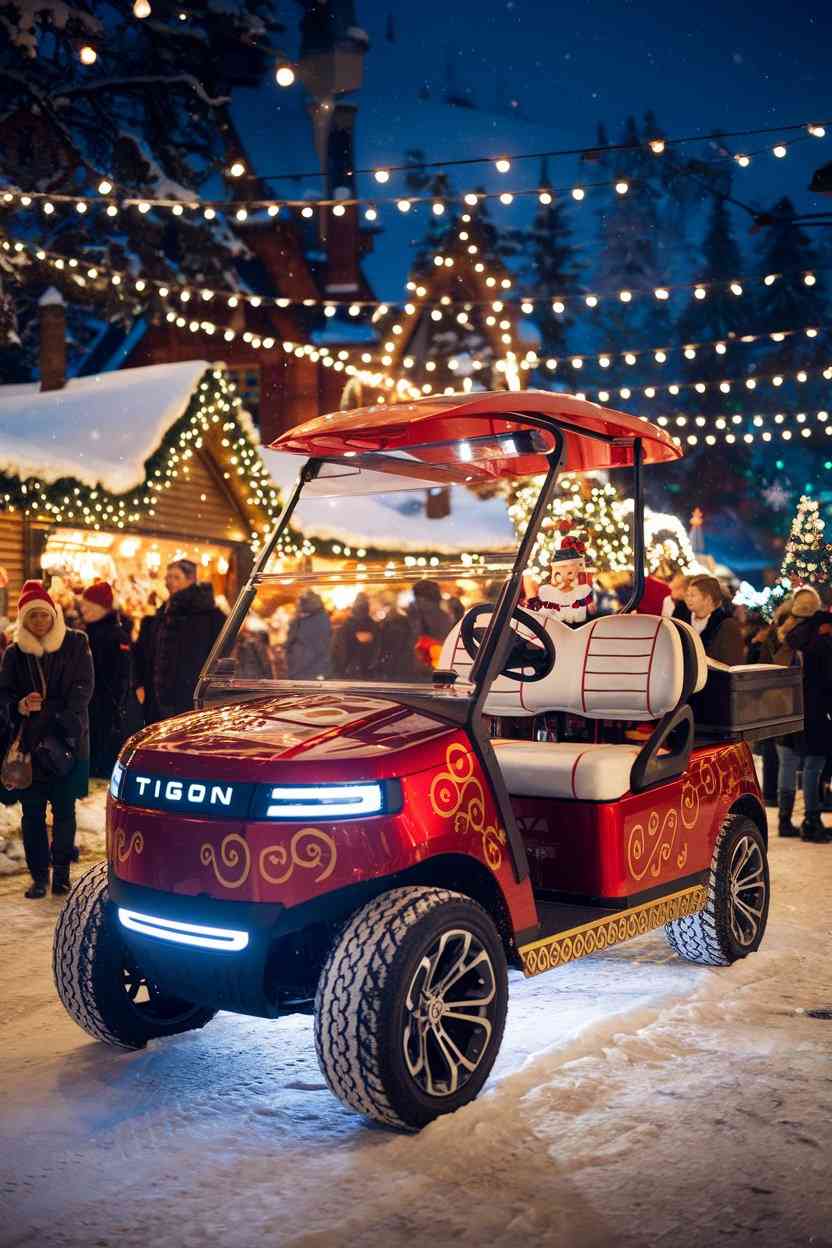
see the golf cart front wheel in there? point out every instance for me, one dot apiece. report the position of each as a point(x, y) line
point(99, 984)
point(411, 1006)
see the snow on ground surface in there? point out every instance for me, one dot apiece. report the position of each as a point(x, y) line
point(90, 836)
point(98, 429)
point(637, 1100)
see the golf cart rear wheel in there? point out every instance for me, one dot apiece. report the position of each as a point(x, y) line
point(733, 923)
point(100, 986)
point(411, 1006)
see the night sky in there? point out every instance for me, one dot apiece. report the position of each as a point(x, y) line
point(700, 67)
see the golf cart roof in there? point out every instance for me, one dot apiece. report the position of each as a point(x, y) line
point(594, 437)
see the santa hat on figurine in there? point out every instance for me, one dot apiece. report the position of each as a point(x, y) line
point(569, 562)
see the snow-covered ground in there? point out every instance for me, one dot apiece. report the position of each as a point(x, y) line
point(638, 1100)
point(90, 836)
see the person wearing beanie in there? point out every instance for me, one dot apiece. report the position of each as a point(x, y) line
point(110, 648)
point(46, 682)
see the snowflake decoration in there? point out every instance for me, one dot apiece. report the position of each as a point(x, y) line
point(776, 496)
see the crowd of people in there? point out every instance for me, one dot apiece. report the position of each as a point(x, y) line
point(71, 696)
point(78, 677)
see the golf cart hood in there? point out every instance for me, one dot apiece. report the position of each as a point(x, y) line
point(323, 737)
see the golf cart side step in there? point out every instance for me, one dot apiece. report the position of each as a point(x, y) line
point(571, 932)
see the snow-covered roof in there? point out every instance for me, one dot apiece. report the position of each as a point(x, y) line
point(99, 430)
point(397, 521)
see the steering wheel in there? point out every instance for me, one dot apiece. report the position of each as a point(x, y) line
point(523, 654)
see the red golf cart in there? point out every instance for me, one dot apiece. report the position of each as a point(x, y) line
point(360, 836)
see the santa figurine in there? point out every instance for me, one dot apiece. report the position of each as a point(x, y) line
point(568, 595)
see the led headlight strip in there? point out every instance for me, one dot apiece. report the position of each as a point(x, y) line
point(324, 801)
point(183, 933)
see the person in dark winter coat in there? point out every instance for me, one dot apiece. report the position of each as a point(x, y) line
point(187, 626)
point(355, 646)
point(46, 682)
point(431, 624)
point(721, 634)
point(812, 639)
point(252, 650)
point(396, 659)
point(143, 652)
point(309, 640)
point(791, 749)
point(110, 648)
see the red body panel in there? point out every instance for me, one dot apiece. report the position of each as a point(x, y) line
point(448, 806)
point(611, 849)
point(618, 849)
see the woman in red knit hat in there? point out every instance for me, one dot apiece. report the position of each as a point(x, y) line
point(110, 646)
point(46, 682)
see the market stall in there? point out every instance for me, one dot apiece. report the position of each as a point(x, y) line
point(113, 476)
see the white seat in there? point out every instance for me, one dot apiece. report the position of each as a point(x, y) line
point(589, 773)
point(613, 667)
point(620, 667)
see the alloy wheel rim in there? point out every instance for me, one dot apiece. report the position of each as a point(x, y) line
point(450, 1007)
point(747, 890)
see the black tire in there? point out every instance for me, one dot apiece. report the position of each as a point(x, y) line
point(99, 986)
point(381, 1040)
point(732, 925)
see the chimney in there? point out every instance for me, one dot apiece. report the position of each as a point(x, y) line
point(52, 340)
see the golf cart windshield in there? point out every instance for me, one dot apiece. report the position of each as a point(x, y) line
point(377, 556)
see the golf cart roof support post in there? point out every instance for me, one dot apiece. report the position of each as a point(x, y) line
point(234, 621)
point(638, 530)
point(489, 660)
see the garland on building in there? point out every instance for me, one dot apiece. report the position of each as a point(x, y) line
point(604, 520)
point(214, 409)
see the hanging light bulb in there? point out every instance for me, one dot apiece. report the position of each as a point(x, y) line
point(578, 192)
point(438, 208)
point(237, 169)
point(284, 74)
point(743, 161)
point(370, 214)
point(141, 9)
point(661, 292)
point(657, 146)
point(779, 150)
point(622, 187)
point(809, 279)
point(105, 186)
point(544, 198)
point(87, 54)
point(817, 132)
point(502, 165)
point(381, 175)
point(700, 292)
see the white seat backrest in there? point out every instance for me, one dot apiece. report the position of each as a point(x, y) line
point(701, 656)
point(613, 667)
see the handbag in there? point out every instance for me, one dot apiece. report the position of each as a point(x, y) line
point(16, 772)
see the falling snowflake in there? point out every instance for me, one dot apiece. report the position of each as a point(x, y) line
point(776, 496)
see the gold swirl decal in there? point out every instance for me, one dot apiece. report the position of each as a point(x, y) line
point(234, 854)
point(544, 955)
point(310, 849)
point(690, 803)
point(123, 849)
point(650, 850)
point(458, 794)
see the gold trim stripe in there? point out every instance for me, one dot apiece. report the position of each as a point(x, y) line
point(612, 929)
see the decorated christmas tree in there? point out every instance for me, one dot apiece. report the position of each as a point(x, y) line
point(807, 559)
point(604, 521)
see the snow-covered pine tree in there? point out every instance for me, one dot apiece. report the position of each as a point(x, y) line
point(149, 116)
point(549, 269)
point(631, 258)
point(720, 317)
